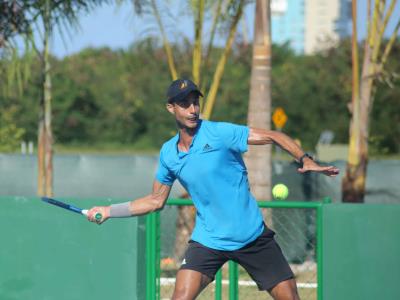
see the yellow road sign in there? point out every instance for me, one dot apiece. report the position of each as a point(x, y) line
point(279, 117)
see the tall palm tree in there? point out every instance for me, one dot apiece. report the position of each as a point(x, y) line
point(364, 86)
point(258, 159)
point(52, 14)
point(45, 135)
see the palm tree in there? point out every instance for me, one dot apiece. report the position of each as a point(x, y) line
point(49, 15)
point(258, 159)
point(21, 18)
point(364, 86)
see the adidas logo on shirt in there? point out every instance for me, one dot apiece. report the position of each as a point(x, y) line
point(184, 261)
point(207, 147)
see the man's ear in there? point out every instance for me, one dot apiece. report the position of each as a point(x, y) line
point(170, 107)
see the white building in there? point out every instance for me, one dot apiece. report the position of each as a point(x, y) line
point(310, 25)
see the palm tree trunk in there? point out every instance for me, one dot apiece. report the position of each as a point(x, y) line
point(219, 71)
point(48, 133)
point(258, 159)
point(197, 49)
point(353, 184)
point(167, 46)
point(41, 143)
point(45, 138)
point(206, 63)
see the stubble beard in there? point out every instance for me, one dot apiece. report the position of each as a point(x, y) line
point(189, 127)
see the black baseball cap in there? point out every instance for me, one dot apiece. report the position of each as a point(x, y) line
point(180, 88)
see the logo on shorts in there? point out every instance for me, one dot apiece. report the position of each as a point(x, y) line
point(184, 261)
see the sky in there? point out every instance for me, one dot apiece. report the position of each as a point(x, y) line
point(114, 27)
point(118, 27)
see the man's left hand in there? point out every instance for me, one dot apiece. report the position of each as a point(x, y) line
point(311, 166)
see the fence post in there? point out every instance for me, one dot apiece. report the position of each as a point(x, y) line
point(153, 256)
point(233, 281)
point(320, 250)
point(158, 255)
point(218, 285)
point(233, 268)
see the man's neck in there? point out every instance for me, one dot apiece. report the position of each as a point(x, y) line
point(185, 138)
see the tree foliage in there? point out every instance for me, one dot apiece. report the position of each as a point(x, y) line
point(10, 133)
point(118, 96)
point(364, 77)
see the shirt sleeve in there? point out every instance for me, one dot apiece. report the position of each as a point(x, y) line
point(234, 136)
point(164, 175)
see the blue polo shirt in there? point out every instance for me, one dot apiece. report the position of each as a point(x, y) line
point(215, 176)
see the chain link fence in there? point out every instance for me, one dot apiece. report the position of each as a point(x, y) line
point(296, 233)
point(295, 230)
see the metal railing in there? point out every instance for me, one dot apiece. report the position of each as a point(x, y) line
point(153, 248)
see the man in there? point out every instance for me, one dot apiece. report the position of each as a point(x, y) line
point(206, 157)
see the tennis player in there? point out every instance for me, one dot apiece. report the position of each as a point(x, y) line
point(206, 158)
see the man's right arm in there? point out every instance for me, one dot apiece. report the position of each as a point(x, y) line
point(141, 206)
point(153, 202)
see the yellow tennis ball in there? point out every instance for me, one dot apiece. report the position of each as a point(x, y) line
point(280, 191)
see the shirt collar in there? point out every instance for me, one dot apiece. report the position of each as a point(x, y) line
point(182, 154)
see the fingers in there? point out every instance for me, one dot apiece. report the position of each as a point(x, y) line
point(302, 170)
point(91, 216)
point(331, 171)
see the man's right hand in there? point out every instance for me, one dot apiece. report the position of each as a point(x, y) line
point(103, 210)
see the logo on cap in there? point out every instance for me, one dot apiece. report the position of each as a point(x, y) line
point(183, 85)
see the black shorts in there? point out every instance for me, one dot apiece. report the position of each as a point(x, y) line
point(262, 259)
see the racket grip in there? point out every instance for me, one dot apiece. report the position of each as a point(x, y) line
point(98, 215)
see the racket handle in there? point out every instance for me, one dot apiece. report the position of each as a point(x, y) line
point(98, 215)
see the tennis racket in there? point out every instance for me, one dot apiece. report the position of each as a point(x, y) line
point(70, 207)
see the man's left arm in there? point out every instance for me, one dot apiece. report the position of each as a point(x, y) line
point(259, 136)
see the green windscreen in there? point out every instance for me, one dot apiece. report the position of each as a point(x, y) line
point(50, 253)
point(361, 252)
